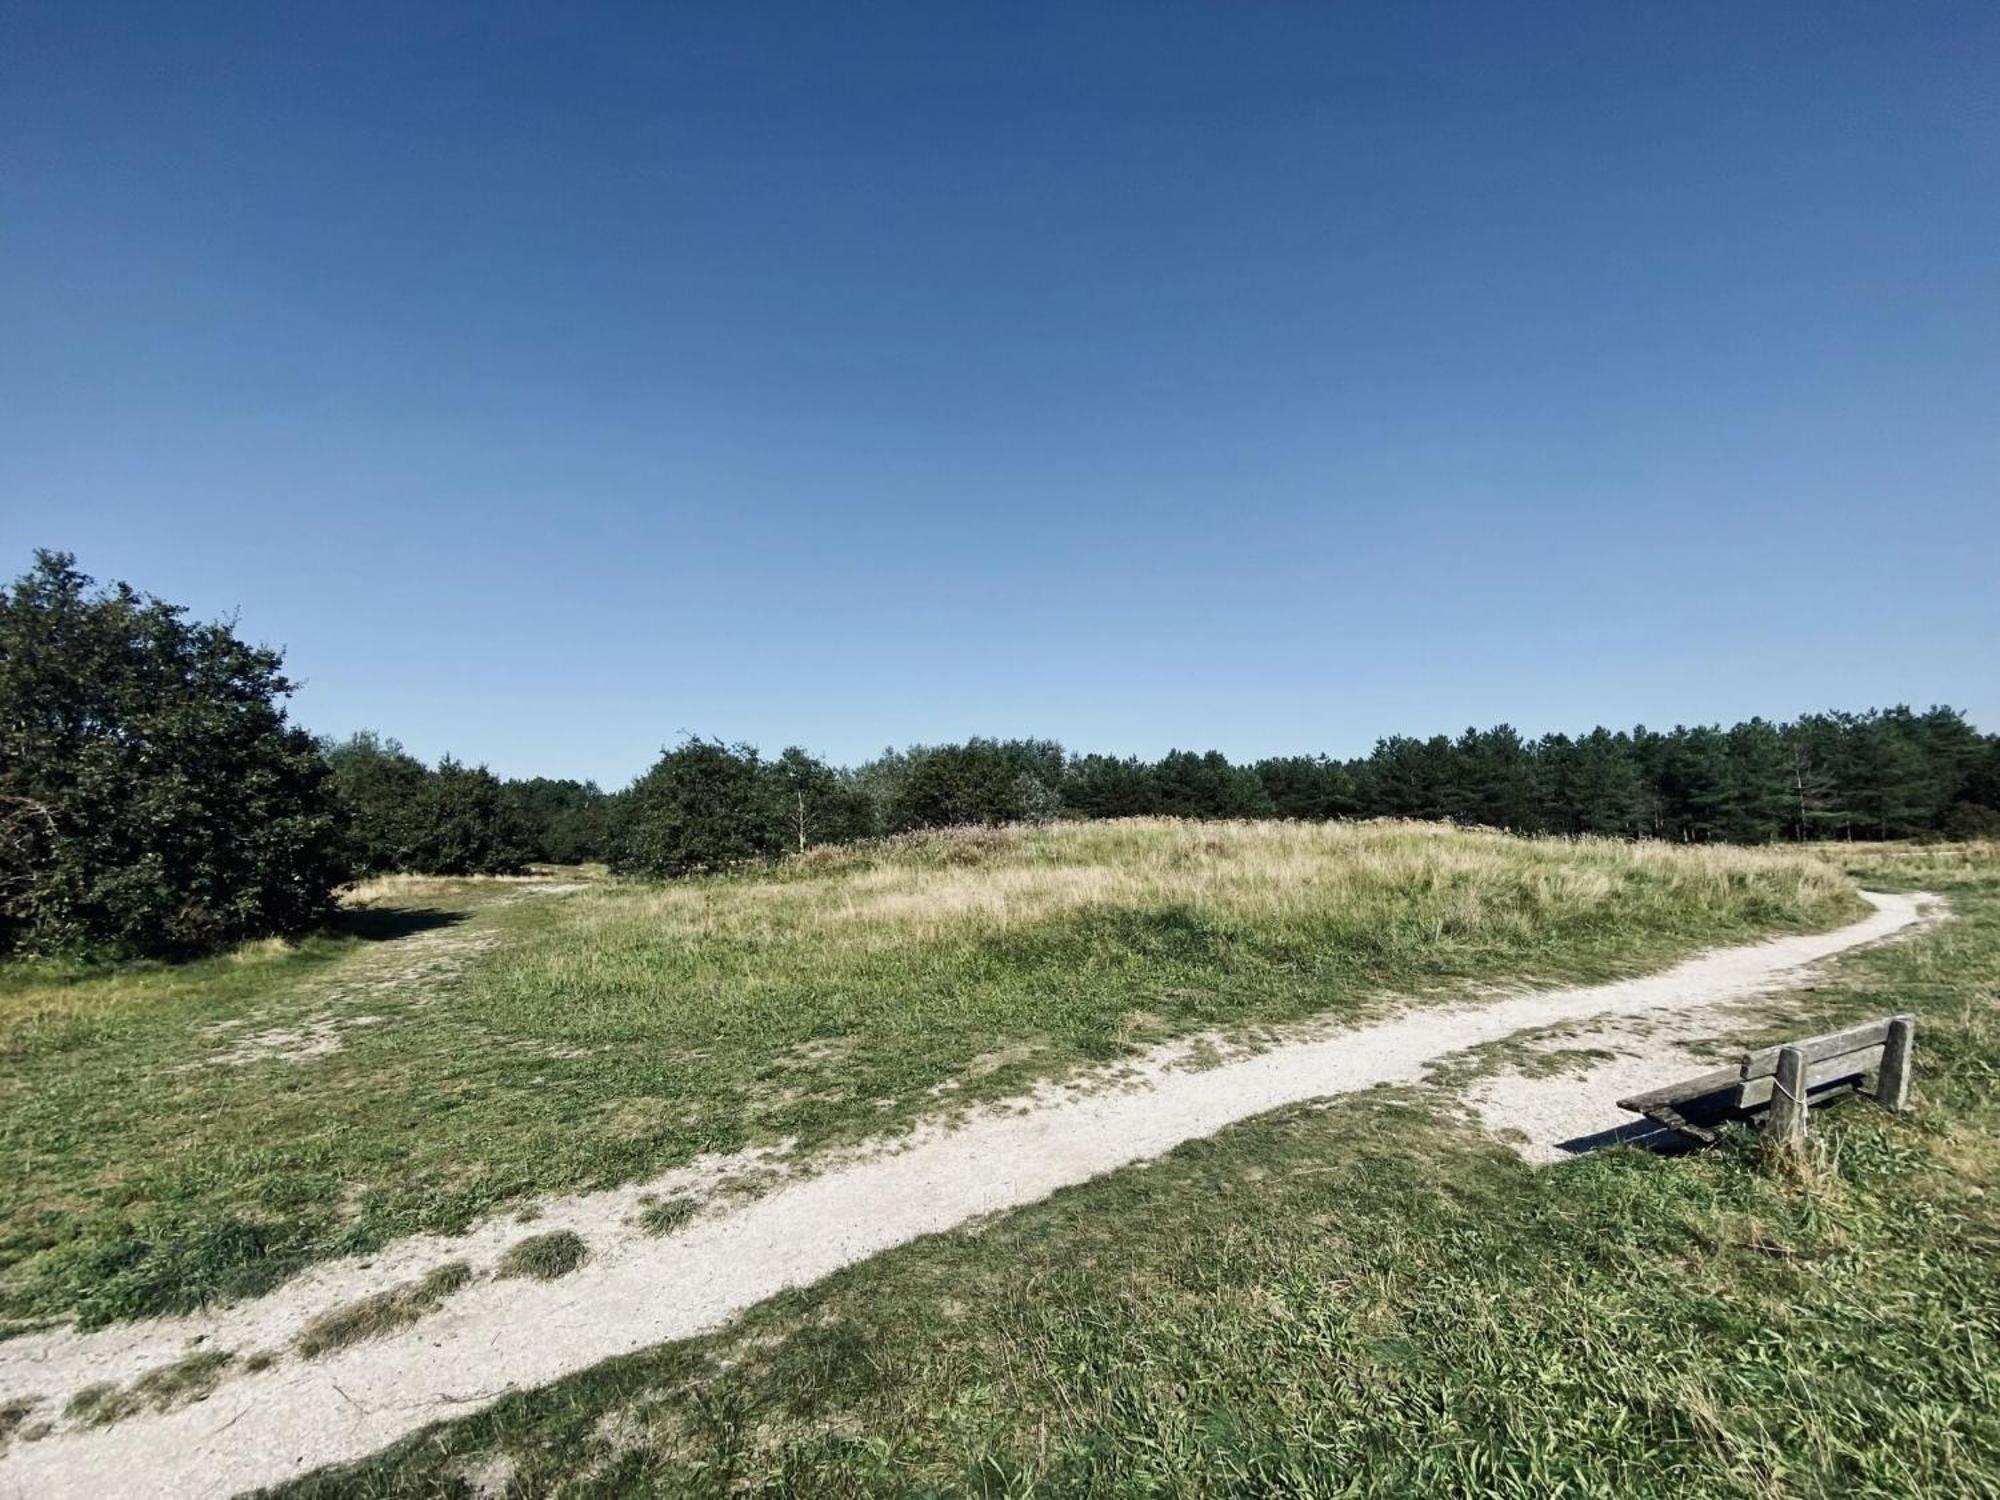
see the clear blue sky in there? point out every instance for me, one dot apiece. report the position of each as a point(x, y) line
point(549, 380)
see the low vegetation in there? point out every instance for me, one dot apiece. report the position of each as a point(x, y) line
point(383, 1313)
point(543, 1257)
point(665, 1215)
point(1370, 1299)
point(177, 1384)
point(176, 1135)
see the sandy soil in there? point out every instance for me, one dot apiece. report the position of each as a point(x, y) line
point(636, 1290)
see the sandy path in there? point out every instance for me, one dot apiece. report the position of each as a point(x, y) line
point(636, 1291)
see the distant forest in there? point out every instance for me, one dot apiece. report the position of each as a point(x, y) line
point(157, 800)
point(1882, 774)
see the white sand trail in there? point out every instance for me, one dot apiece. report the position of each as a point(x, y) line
point(635, 1290)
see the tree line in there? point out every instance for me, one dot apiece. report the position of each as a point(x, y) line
point(1882, 774)
point(156, 800)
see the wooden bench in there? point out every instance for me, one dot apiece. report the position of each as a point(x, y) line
point(1787, 1080)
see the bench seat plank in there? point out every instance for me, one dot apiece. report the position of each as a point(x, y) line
point(1721, 1079)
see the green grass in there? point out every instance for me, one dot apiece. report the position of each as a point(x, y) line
point(666, 1215)
point(518, 1047)
point(1367, 1299)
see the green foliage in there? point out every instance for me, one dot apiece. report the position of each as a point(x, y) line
point(1103, 786)
point(379, 788)
point(153, 798)
point(402, 815)
point(468, 827)
point(981, 782)
point(817, 803)
point(704, 806)
point(1310, 787)
point(561, 822)
point(1188, 785)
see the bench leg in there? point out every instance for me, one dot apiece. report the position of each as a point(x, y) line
point(1892, 1085)
point(1787, 1125)
point(1667, 1115)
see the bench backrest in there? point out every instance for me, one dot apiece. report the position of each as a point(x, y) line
point(1833, 1058)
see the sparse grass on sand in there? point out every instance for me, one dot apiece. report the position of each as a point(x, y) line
point(172, 1385)
point(173, 1135)
point(1370, 1299)
point(666, 1215)
point(385, 1312)
point(543, 1256)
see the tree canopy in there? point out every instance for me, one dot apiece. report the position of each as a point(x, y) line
point(154, 800)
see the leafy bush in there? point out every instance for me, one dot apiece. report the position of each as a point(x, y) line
point(564, 822)
point(380, 789)
point(815, 803)
point(153, 798)
point(704, 805)
point(466, 826)
point(401, 815)
point(981, 781)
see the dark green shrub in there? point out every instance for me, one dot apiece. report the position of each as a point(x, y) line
point(465, 825)
point(401, 815)
point(153, 798)
point(981, 781)
point(564, 822)
point(1188, 785)
point(703, 806)
point(380, 789)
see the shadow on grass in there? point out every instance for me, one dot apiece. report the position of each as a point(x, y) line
point(386, 924)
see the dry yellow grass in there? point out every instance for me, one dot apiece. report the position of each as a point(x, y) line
point(946, 886)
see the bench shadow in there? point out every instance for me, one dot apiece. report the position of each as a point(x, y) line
point(1647, 1135)
point(1650, 1135)
point(386, 924)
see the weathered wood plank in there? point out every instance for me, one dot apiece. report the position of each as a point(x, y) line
point(1764, 1062)
point(1892, 1087)
point(1674, 1120)
point(1787, 1124)
point(1692, 1088)
point(1758, 1091)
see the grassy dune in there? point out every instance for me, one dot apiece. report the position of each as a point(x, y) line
point(169, 1135)
point(1367, 1299)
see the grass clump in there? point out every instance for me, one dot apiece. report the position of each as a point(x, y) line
point(665, 1215)
point(178, 1384)
point(14, 1416)
point(383, 1313)
point(89, 1401)
point(543, 1257)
